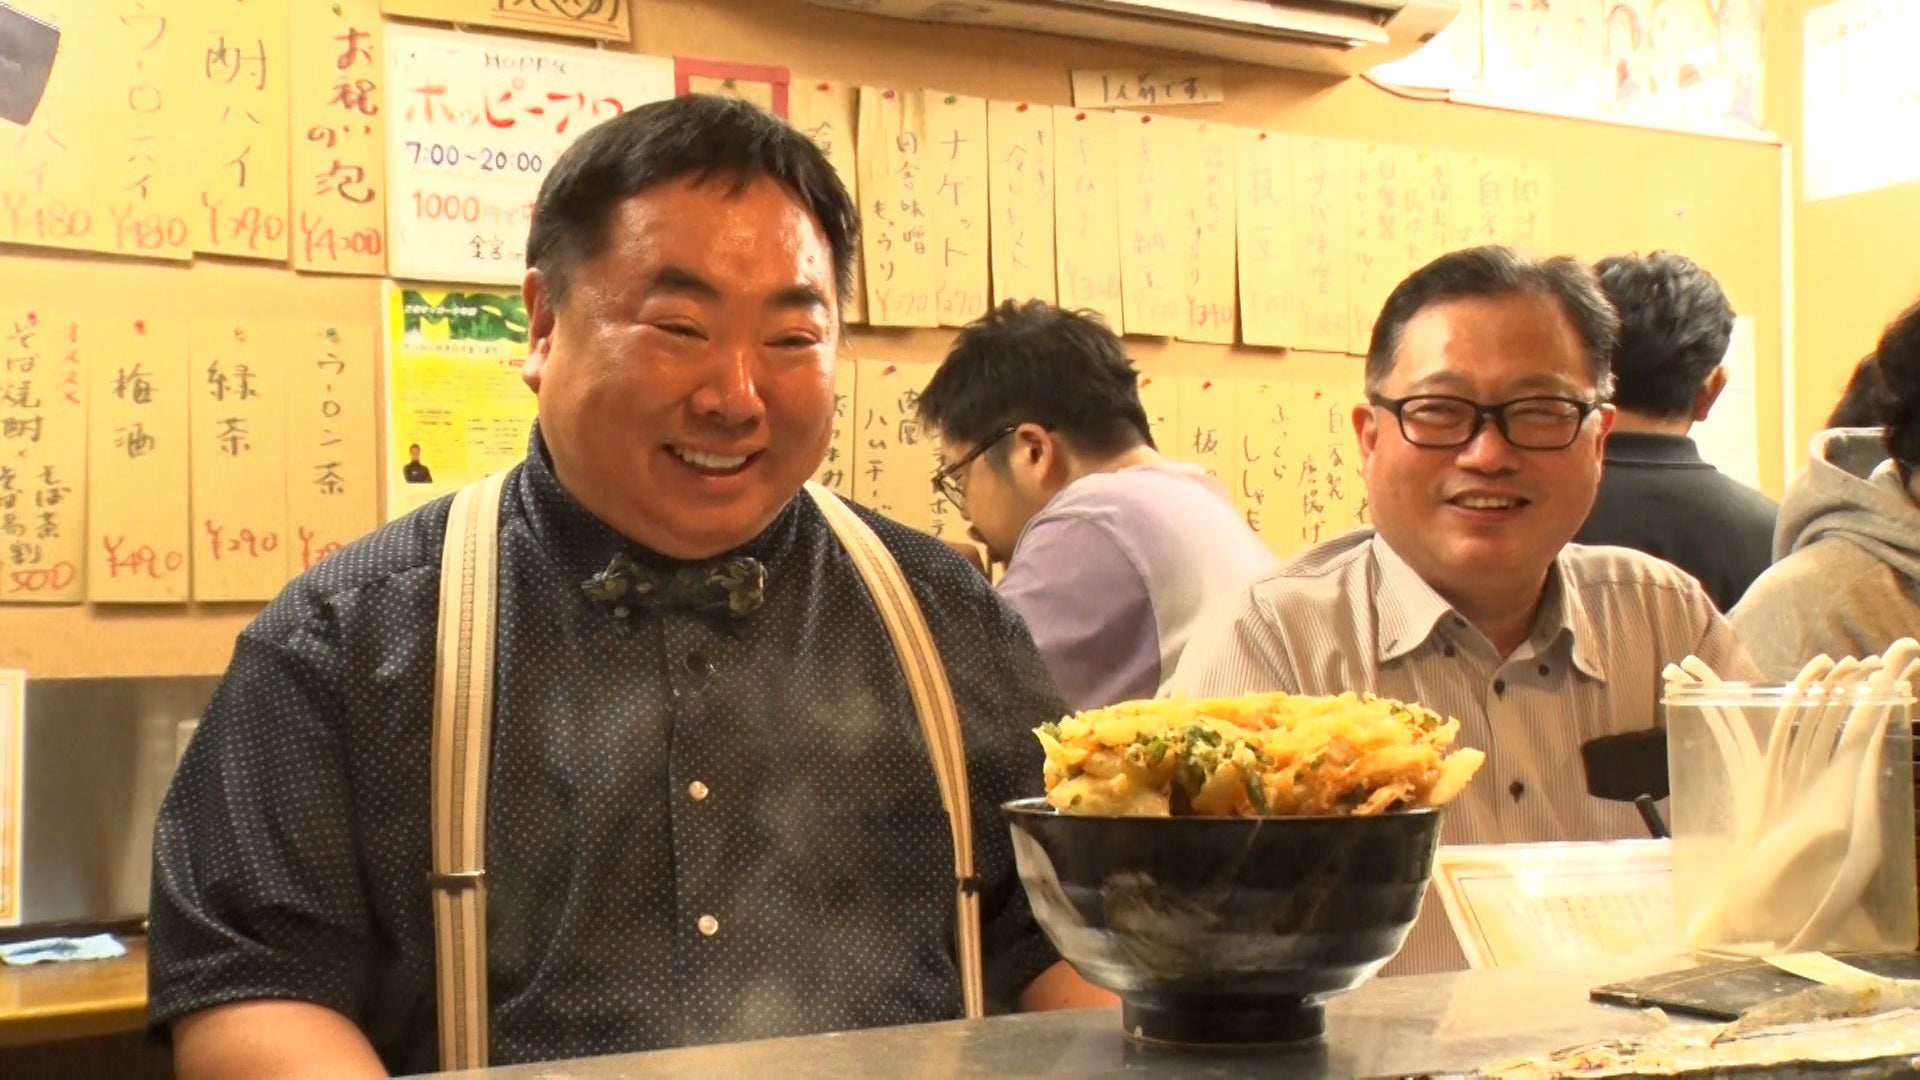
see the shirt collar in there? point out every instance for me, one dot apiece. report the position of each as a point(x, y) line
point(582, 545)
point(1652, 448)
point(1407, 610)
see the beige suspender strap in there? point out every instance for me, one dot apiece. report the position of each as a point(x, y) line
point(939, 719)
point(462, 730)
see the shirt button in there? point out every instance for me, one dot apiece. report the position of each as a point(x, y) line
point(1516, 789)
point(697, 791)
point(709, 926)
point(1499, 686)
point(1448, 651)
point(1545, 670)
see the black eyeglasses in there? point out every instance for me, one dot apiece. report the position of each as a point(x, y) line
point(946, 480)
point(1443, 422)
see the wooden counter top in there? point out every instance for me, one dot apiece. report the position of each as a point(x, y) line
point(42, 1003)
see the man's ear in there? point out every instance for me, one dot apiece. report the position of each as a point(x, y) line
point(1366, 430)
point(541, 320)
point(1709, 393)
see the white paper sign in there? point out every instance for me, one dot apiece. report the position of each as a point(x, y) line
point(474, 123)
point(1521, 905)
point(1729, 438)
point(1861, 92)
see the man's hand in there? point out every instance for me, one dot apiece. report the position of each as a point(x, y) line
point(1061, 987)
point(272, 1040)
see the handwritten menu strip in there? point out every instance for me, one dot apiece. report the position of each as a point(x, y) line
point(1020, 170)
point(1368, 246)
point(903, 265)
point(1479, 199)
point(1160, 397)
point(829, 113)
point(1264, 494)
point(238, 433)
point(1208, 191)
point(895, 457)
point(143, 125)
point(1320, 436)
point(1529, 208)
point(1133, 89)
point(605, 20)
point(956, 158)
point(43, 457)
point(1320, 229)
point(137, 462)
point(332, 387)
point(47, 185)
point(239, 110)
point(1209, 429)
point(1086, 211)
point(1150, 153)
point(836, 470)
point(1267, 258)
point(756, 84)
point(473, 125)
point(1426, 206)
point(337, 159)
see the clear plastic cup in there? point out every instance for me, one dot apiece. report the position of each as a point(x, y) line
point(1793, 818)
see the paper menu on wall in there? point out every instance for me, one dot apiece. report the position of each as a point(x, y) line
point(956, 160)
point(1326, 491)
point(828, 112)
point(1372, 217)
point(239, 117)
point(337, 218)
point(1426, 207)
point(836, 471)
point(138, 529)
point(238, 447)
point(1480, 196)
point(1320, 231)
point(1209, 429)
point(1267, 259)
point(1859, 85)
point(47, 170)
point(1527, 214)
point(332, 481)
point(1086, 209)
point(894, 455)
point(1260, 410)
point(1150, 153)
point(902, 258)
point(1208, 190)
point(473, 125)
point(607, 20)
point(1160, 397)
point(762, 86)
point(1020, 169)
point(144, 124)
point(43, 456)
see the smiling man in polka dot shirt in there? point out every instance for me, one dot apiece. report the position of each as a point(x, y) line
point(706, 822)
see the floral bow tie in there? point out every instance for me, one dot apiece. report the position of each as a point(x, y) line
point(735, 586)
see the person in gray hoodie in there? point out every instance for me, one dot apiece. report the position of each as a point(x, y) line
point(1846, 576)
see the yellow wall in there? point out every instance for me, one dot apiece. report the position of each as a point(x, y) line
point(1613, 189)
point(1856, 259)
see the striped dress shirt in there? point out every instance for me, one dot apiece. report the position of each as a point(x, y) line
point(1350, 614)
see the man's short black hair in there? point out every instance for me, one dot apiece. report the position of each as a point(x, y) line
point(1489, 272)
point(1032, 362)
point(1899, 356)
point(1675, 323)
point(701, 136)
point(1864, 401)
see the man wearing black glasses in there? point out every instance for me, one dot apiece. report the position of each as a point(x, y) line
point(1481, 442)
point(1112, 551)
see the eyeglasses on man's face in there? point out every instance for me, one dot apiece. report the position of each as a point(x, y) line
point(1445, 422)
point(946, 480)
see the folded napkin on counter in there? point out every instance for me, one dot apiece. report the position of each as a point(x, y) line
point(48, 950)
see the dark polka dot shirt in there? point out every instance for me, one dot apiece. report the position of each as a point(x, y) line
point(699, 829)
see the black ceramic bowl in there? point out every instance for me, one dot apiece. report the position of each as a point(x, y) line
point(1224, 931)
